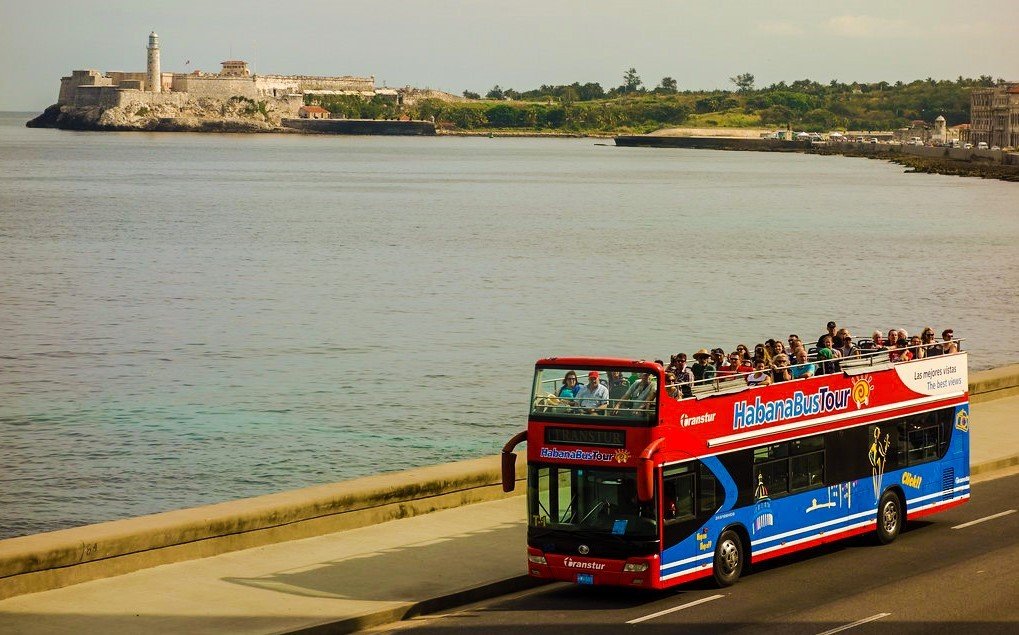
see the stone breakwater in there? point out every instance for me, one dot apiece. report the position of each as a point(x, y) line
point(974, 165)
point(990, 164)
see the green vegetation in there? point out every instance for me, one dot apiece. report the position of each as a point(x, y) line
point(631, 107)
point(355, 107)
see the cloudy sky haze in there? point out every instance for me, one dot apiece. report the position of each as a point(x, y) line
point(455, 45)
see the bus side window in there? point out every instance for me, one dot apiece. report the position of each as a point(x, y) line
point(677, 497)
point(707, 492)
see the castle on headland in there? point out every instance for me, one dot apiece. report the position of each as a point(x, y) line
point(152, 87)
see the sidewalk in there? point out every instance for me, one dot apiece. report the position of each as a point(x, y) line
point(353, 579)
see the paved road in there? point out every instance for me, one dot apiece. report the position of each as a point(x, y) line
point(937, 574)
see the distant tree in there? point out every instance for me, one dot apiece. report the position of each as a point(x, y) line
point(631, 81)
point(509, 93)
point(668, 86)
point(744, 82)
point(568, 95)
point(495, 93)
point(471, 95)
point(590, 90)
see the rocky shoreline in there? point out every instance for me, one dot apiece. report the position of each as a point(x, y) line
point(203, 115)
point(929, 165)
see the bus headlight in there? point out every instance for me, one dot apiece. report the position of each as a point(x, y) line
point(539, 559)
point(634, 567)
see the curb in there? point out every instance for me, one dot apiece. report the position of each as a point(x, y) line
point(424, 607)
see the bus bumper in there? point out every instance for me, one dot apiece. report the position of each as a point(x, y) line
point(640, 572)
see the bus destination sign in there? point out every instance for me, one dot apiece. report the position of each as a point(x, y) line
point(582, 436)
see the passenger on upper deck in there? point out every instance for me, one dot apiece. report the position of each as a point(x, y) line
point(702, 368)
point(637, 396)
point(684, 374)
point(916, 349)
point(760, 376)
point(744, 352)
point(594, 395)
point(844, 344)
point(927, 341)
point(949, 346)
point(617, 385)
point(832, 328)
point(827, 357)
point(803, 368)
point(780, 372)
point(762, 354)
point(895, 348)
point(878, 340)
point(570, 386)
point(672, 385)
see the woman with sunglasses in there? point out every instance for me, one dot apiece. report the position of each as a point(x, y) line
point(570, 386)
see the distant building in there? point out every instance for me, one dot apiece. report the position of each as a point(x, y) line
point(234, 68)
point(994, 115)
point(940, 132)
point(918, 129)
point(312, 112)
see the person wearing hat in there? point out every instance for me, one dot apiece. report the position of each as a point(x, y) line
point(702, 368)
point(832, 328)
point(684, 374)
point(594, 395)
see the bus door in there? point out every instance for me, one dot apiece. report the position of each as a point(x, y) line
point(690, 494)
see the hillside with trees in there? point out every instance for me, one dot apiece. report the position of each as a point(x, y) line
point(633, 107)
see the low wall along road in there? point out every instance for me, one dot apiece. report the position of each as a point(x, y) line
point(60, 558)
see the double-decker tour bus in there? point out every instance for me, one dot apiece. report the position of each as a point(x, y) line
point(642, 484)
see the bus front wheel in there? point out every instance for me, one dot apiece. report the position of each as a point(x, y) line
point(889, 517)
point(729, 557)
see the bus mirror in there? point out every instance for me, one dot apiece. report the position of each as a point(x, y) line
point(646, 471)
point(509, 471)
point(509, 461)
point(645, 480)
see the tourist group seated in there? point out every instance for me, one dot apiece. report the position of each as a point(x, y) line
point(774, 361)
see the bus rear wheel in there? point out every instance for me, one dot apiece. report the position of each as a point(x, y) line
point(729, 558)
point(889, 517)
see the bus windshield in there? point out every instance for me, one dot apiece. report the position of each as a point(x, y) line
point(583, 499)
point(595, 392)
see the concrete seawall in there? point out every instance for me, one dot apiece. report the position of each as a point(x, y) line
point(362, 126)
point(55, 559)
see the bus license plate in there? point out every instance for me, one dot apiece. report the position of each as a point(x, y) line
point(585, 578)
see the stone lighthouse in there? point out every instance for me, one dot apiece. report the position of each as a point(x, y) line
point(155, 78)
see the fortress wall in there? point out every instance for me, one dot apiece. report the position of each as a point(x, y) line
point(306, 82)
point(69, 85)
point(276, 85)
point(96, 96)
point(122, 76)
point(215, 87)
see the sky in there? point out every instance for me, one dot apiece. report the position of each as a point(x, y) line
point(454, 45)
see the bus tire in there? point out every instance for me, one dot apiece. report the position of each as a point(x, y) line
point(729, 558)
point(890, 517)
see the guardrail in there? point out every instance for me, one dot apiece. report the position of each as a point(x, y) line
point(60, 558)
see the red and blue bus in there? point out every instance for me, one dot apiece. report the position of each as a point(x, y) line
point(654, 489)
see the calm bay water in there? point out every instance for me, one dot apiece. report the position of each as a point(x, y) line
point(187, 319)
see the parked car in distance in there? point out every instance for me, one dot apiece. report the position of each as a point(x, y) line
point(982, 145)
point(995, 148)
point(967, 146)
